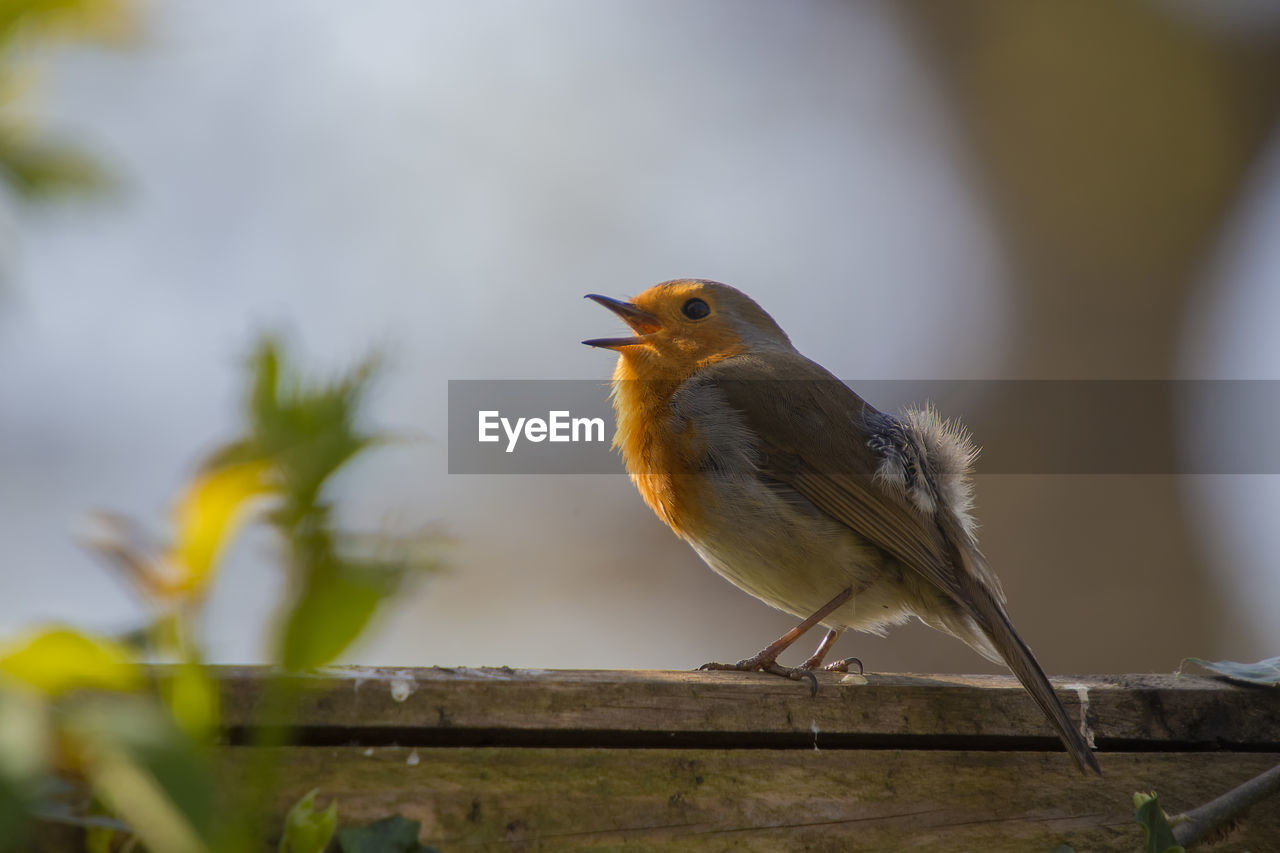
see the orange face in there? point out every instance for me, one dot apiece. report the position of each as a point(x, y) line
point(680, 326)
point(686, 324)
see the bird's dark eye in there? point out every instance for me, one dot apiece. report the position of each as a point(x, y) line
point(695, 309)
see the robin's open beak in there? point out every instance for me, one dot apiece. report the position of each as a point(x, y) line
point(641, 321)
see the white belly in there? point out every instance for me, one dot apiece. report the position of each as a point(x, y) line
point(789, 555)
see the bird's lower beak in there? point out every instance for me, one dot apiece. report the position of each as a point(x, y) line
point(638, 319)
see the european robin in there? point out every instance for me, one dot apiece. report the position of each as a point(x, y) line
point(797, 491)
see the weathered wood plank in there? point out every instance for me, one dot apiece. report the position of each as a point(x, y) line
point(556, 799)
point(549, 760)
point(586, 708)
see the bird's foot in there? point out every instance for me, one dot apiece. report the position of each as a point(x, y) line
point(756, 663)
point(796, 673)
point(806, 670)
point(766, 660)
point(761, 663)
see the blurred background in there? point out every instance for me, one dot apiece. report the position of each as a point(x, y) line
point(914, 190)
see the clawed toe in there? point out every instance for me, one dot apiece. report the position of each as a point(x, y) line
point(843, 665)
point(795, 674)
point(720, 667)
point(756, 663)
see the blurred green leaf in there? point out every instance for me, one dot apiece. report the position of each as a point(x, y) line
point(26, 738)
point(308, 430)
point(342, 593)
point(148, 762)
point(145, 769)
point(14, 810)
point(389, 835)
point(99, 839)
point(307, 830)
point(1155, 826)
point(1266, 672)
point(333, 609)
point(193, 699)
point(44, 170)
point(95, 19)
point(102, 832)
point(12, 11)
point(142, 800)
point(32, 167)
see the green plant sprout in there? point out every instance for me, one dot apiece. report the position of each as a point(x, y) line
point(82, 714)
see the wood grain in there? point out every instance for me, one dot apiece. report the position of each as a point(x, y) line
point(606, 799)
point(508, 759)
point(438, 706)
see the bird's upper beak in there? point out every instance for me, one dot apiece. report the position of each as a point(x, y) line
point(638, 319)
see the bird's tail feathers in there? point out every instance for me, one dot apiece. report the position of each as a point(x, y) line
point(1001, 638)
point(995, 633)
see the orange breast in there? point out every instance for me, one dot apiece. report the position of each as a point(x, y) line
point(661, 457)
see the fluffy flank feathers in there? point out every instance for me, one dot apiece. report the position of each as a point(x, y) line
point(950, 454)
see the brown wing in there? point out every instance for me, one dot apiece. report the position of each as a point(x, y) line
point(812, 438)
point(813, 433)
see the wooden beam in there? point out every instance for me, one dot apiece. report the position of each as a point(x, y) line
point(768, 800)
point(500, 706)
point(559, 760)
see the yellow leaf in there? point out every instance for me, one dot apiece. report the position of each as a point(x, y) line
point(207, 517)
point(26, 737)
point(57, 660)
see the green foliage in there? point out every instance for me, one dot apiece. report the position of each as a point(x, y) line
point(15, 807)
point(102, 839)
point(307, 830)
point(389, 835)
point(336, 602)
point(33, 167)
point(69, 700)
point(37, 170)
point(308, 431)
point(145, 768)
point(192, 698)
point(1266, 672)
point(67, 14)
point(24, 754)
point(1155, 826)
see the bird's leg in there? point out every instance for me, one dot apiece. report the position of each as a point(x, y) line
point(815, 660)
point(766, 660)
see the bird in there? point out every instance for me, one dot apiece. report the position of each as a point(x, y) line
point(799, 492)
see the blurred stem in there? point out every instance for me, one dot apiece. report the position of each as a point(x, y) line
point(254, 789)
point(1217, 815)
